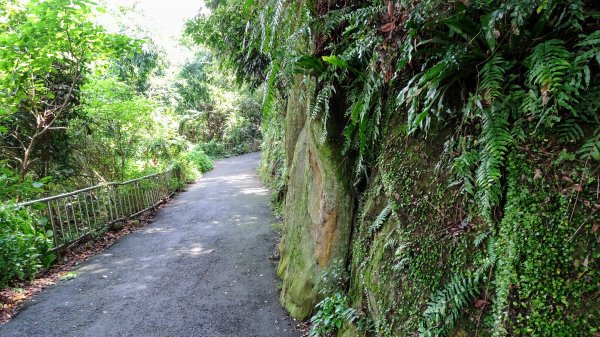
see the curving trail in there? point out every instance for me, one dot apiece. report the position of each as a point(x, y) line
point(201, 268)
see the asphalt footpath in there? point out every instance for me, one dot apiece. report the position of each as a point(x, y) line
point(200, 268)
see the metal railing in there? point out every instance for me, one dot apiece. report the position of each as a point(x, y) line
point(73, 216)
point(228, 147)
point(254, 146)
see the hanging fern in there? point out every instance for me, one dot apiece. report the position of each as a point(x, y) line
point(549, 65)
point(446, 305)
point(493, 79)
point(385, 212)
point(334, 19)
point(364, 115)
point(569, 131)
point(321, 106)
point(591, 148)
point(463, 167)
point(495, 140)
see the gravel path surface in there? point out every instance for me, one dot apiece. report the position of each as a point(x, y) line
point(201, 268)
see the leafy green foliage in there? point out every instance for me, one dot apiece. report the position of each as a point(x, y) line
point(79, 106)
point(192, 86)
point(114, 119)
point(591, 149)
point(495, 139)
point(445, 306)
point(201, 161)
point(24, 248)
point(541, 259)
point(332, 313)
point(381, 218)
point(13, 188)
point(504, 105)
point(225, 32)
point(53, 44)
point(211, 109)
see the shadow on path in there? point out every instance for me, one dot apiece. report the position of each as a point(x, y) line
point(201, 268)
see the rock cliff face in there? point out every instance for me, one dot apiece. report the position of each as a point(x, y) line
point(409, 246)
point(318, 210)
point(478, 221)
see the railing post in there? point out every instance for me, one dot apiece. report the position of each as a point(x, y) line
point(87, 211)
point(60, 222)
point(52, 224)
point(113, 191)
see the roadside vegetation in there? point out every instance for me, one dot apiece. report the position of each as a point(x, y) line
point(81, 105)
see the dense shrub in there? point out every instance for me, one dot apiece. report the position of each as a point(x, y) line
point(214, 149)
point(199, 159)
point(25, 249)
point(192, 164)
point(12, 187)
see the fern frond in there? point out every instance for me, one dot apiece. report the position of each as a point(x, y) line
point(569, 131)
point(549, 71)
point(385, 212)
point(424, 93)
point(352, 17)
point(446, 305)
point(321, 106)
point(548, 64)
point(269, 89)
point(591, 148)
point(492, 78)
point(463, 167)
point(495, 140)
point(334, 19)
point(275, 21)
point(480, 238)
point(364, 114)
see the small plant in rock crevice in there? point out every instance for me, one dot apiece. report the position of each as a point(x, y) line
point(332, 313)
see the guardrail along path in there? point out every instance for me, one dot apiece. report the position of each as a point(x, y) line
point(201, 268)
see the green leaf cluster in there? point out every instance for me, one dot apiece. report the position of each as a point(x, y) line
point(25, 248)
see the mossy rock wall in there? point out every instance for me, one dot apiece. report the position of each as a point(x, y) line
point(416, 241)
point(317, 215)
point(423, 257)
point(533, 272)
point(407, 238)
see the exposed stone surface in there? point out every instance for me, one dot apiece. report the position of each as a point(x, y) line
point(297, 110)
point(318, 212)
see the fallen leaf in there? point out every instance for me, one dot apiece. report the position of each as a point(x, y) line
point(595, 227)
point(545, 97)
point(482, 304)
point(388, 27)
point(567, 179)
point(390, 8)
